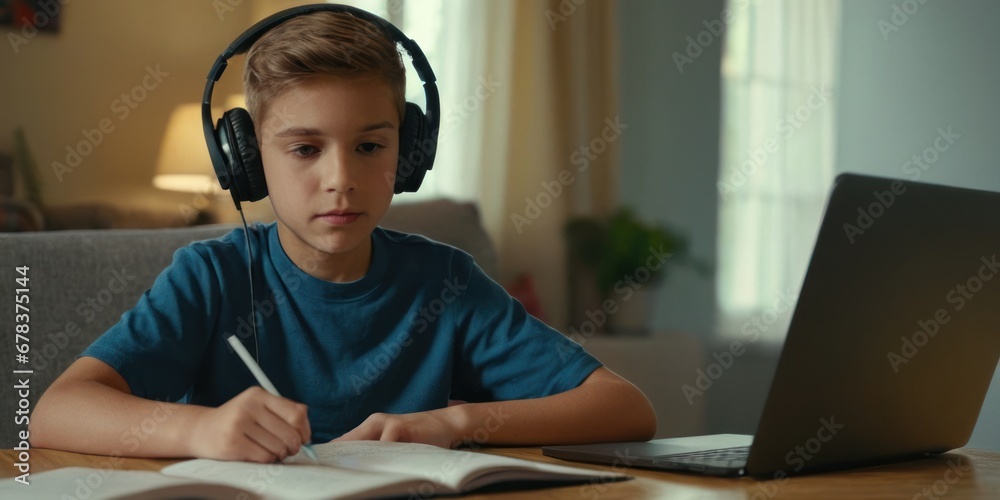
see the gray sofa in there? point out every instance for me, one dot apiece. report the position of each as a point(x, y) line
point(80, 282)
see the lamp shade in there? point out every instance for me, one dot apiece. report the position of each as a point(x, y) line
point(236, 101)
point(183, 163)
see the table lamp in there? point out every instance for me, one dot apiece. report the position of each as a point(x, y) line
point(184, 164)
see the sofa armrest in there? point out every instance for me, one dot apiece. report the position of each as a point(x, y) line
point(79, 282)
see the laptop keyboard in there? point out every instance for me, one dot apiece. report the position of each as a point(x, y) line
point(724, 457)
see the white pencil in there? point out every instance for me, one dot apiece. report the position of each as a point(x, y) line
point(263, 381)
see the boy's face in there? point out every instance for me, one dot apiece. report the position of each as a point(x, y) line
point(329, 147)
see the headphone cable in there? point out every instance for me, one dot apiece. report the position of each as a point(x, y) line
point(253, 311)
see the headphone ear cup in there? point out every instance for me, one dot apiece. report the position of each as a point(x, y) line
point(242, 154)
point(414, 159)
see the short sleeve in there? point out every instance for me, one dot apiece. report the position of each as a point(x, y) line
point(506, 353)
point(157, 346)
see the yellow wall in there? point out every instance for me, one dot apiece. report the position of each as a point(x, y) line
point(56, 85)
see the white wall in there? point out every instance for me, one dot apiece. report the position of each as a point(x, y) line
point(57, 85)
point(938, 70)
point(670, 152)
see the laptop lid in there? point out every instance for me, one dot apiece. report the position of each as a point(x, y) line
point(896, 334)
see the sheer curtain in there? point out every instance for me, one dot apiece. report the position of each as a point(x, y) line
point(524, 84)
point(499, 63)
point(778, 146)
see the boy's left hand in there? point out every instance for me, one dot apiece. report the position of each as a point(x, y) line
point(428, 427)
point(604, 408)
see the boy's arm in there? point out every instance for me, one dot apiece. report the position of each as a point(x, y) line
point(603, 408)
point(90, 409)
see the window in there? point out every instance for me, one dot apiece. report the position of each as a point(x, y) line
point(778, 146)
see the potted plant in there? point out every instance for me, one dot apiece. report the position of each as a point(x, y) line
point(620, 259)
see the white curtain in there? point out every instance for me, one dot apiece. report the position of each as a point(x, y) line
point(523, 84)
point(778, 146)
point(454, 36)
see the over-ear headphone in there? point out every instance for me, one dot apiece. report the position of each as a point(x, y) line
point(232, 143)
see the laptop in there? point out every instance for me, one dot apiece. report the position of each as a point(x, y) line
point(889, 352)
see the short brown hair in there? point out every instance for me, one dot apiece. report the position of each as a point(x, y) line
point(320, 44)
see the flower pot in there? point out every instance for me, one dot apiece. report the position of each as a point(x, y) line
point(635, 312)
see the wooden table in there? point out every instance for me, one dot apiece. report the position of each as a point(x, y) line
point(963, 473)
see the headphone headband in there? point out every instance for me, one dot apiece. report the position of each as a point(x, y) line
point(246, 40)
point(253, 33)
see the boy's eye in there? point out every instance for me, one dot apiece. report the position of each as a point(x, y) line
point(304, 151)
point(369, 147)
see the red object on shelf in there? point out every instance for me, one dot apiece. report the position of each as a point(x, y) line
point(523, 289)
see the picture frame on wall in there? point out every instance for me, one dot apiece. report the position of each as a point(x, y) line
point(31, 15)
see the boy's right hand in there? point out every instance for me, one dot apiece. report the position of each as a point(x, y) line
point(254, 426)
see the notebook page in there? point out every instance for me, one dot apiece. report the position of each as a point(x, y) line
point(453, 468)
point(293, 481)
point(95, 484)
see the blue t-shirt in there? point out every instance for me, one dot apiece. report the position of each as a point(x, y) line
point(423, 326)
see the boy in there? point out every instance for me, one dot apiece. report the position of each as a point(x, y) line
point(327, 99)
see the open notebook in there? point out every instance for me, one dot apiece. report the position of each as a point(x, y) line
point(356, 469)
